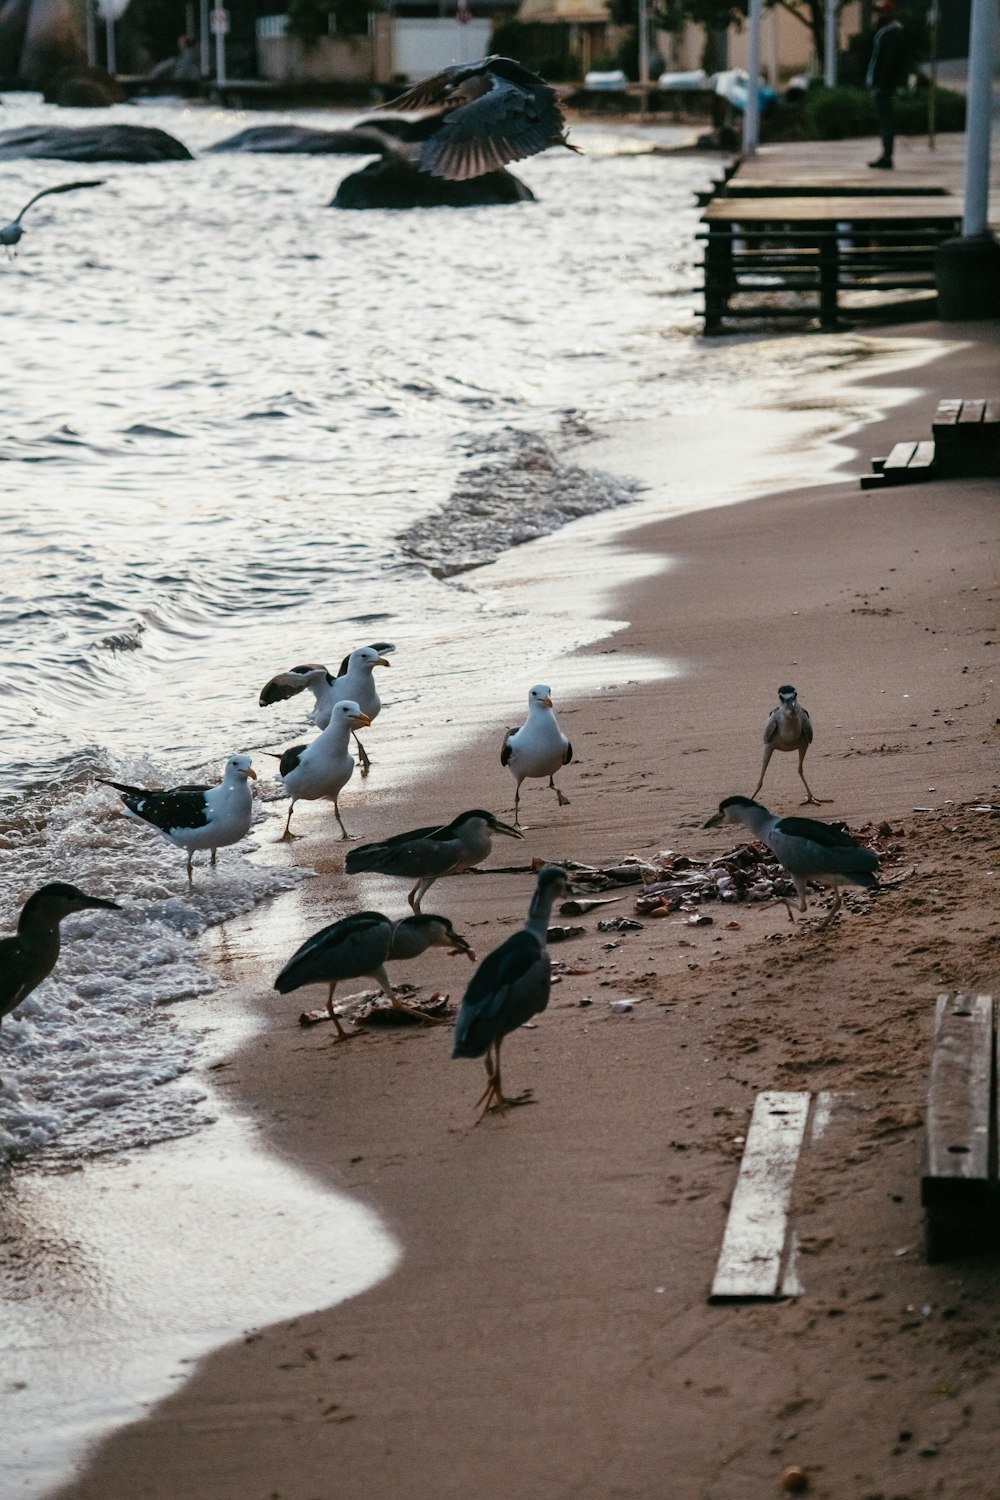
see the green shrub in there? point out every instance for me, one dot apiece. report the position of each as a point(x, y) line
point(835, 114)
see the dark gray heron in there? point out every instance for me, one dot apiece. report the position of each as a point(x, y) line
point(359, 947)
point(197, 817)
point(510, 986)
point(806, 848)
point(425, 854)
point(354, 680)
point(28, 958)
point(539, 748)
point(483, 115)
point(10, 234)
point(788, 727)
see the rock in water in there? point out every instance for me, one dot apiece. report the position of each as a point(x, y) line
point(136, 143)
point(391, 183)
point(300, 140)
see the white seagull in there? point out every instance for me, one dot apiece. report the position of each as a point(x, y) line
point(324, 767)
point(538, 748)
point(354, 682)
point(10, 234)
point(197, 817)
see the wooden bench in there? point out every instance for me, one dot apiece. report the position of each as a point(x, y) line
point(908, 463)
point(967, 436)
point(817, 248)
point(959, 1189)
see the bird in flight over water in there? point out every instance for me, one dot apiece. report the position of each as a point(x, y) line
point(10, 234)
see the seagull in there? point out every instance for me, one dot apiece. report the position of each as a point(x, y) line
point(538, 748)
point(510, 986)
point(360, 947)
point(788, 727)
point(197, 817)
point(806, 848)
point(484, 115)
point(425, 854)
point(11, 233)
point(325, 766)
point(28, 958)
point(354, 681)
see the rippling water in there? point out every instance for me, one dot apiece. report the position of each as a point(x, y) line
point(221, 402)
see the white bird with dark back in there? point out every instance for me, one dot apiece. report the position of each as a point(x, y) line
point(806, 848)
point(354, 682)
point(539, 748)
point(197, 817)
point(322, 768)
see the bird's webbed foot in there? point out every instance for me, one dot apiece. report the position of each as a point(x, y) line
point(812, 801)
point(563, 799)
point(288, 836)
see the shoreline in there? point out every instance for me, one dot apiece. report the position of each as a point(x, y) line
point(374, 1081)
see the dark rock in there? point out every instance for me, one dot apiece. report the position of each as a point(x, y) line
point(80, 87)
point(136, 143)
point(390, 183)
point(298, 139)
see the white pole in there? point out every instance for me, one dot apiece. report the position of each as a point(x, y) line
point(772, 47)
point(205, 57)
point(644, 53)
point(830, 45)
point(751, 112)
point(91, 23)
point(982, 46)
point(109, 27)
point(220, 59)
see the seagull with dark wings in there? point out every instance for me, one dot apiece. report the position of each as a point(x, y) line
point(481, 116)
point(11, 233)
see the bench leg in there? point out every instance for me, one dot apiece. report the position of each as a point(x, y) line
point(718, 275)
point(829, 279)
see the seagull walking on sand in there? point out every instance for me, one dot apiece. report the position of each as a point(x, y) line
point(425, 854)
point(788, 727)
point(324, 767)
point(510, 986)
point(354, 682)
point(197, 817)
point(359, 947)
point(10, 234)
point(30, 956)
point(538, 748)
point(806, 848)
point(482, 115)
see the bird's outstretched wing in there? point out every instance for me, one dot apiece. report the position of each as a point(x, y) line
point(61, 187)
point(287, 684)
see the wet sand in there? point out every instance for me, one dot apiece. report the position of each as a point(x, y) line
point(547, 1332)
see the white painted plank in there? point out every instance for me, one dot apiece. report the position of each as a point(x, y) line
point(753, 1247)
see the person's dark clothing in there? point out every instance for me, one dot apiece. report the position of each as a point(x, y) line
point(886, 72)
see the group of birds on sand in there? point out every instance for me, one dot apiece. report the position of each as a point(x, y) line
point(475, 118)
point(511, 984)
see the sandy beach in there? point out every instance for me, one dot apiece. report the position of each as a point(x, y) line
point(547, 1332)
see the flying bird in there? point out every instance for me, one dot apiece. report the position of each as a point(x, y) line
point(197, 817)
point(324, 767)
point(11, 233)
point(483, 115)
point(538, 748)
point(806, 848)
point(28, 958)
point(425, 854)
point(354, 681)
point(360, 947)
point(510, 986)
point(788, 727)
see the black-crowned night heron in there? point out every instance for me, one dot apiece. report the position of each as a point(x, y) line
point(11, 233)
point(538, 748)
point(28, 958)
point(510, 986)
point(354, 682)
point(197, 817)
point(324, 766)
point(788, 727)
point(425, 854)
point(807, 849)
point(359, 947)
point(485, 114)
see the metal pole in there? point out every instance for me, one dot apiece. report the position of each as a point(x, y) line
point(982, 47)
point(830, 45)
point(932, 22)
point(643, 54)
point(220, 59)
point(205, 60)
point(751, 111)
point(109, 27)
point(91, 24)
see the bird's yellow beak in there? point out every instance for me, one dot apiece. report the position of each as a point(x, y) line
point(360, 720)
point(381, 662)
point(252, 774)
point(546, 702)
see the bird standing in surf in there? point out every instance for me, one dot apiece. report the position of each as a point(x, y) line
point(510, 986)
point(538, 748)
point(10, 234)
point(425, 854)
point(788, 727)
point(354, 683)
point(482, 115)
point(197, 817)
point(359, 947)
point(322, 768)
point(806, 848)
point(30, 956)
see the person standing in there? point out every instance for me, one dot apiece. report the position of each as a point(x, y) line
point(885, 74)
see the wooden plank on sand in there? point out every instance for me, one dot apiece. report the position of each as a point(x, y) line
point(958, 1157)
point(971, 413)
point(754, 1244)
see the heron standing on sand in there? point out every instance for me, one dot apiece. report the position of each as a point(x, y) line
point(788, 727)
point(425, 854)
point(10, 234)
